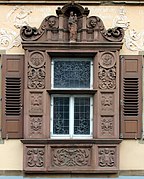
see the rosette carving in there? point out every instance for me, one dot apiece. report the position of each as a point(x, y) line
point(36, 71)
point(107, 71)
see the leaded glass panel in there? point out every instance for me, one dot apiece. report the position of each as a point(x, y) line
point(82, 115)
point(61, 115)
point(72, 74)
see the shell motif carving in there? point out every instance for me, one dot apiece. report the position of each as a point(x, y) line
point(107, 157)
point(36, 71)
point(69, 157)
point(107, 71)
point(35, 157)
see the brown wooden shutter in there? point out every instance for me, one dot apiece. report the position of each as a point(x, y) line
point(12, 96)
point(131, 96)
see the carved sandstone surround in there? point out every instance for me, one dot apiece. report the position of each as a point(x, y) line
point(71, 33)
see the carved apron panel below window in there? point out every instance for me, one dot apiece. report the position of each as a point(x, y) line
point(107, 157)
point(35, 158)
point(71, 157)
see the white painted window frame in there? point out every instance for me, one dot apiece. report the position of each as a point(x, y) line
point(71, 134)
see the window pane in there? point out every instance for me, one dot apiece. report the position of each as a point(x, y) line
point(71, 74)
point(82, 115)
point(61, 115)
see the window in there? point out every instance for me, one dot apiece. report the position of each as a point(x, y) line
point(71, 114)
point(72, 73)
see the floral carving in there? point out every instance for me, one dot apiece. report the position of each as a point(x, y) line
point(70, 157)
point(107, 60)
point(106, 102)
point(36, 125)
point(36, 71)
point(107, 126)
point(107, 157)
point(107, 78)
point(36, 103)
point(35, 157)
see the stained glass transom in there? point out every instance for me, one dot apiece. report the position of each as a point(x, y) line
point(72, 74)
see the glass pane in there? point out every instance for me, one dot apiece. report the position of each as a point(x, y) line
point(61, 115)
point(82, 115)
point(71, 74)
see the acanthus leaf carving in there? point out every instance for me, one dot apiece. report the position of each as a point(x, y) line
point(107, 126)
point(107, 157)
point(35, 157)
point(71, 157)
point(35, 125)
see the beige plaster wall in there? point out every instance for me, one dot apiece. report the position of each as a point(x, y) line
point(12, 17)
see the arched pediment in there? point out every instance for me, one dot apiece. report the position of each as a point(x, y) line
point(72, 24)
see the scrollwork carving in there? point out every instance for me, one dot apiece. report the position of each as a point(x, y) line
point(35, 125)
point(36, 71)
point(35, 157)
point(107, 157)
point(115, 34)
point(107, 78)
point(70, 157)
point(32, 33)
point(107, 126)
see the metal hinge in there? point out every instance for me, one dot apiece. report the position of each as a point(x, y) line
point(7, 136)
point(121, 102)
point(121, 135)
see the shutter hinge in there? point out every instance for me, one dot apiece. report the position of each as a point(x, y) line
point(7, 136)
point(121, 135)
point(1, 66)
point(121, 102)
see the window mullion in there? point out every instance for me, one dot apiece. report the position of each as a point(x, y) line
point(71, 116)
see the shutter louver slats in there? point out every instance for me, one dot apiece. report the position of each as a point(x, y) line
point(131, 97)
point(12, 96)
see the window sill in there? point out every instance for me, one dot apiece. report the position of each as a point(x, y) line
point(71, 91)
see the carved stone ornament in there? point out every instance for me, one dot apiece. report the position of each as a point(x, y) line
point(71, 157)
point(35, 125)
point(35, 157)
point(69, 28)
point(36, 105)
point(107, 100)
point(36, 71)
point(107, 157)
point(107, 126)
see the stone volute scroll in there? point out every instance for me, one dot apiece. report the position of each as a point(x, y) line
point(72, 24)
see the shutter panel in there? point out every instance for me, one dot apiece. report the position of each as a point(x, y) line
point(131, 96)
point(12, 96)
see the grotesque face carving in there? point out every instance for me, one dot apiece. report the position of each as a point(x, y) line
point(92, 23)
point(51, 22)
